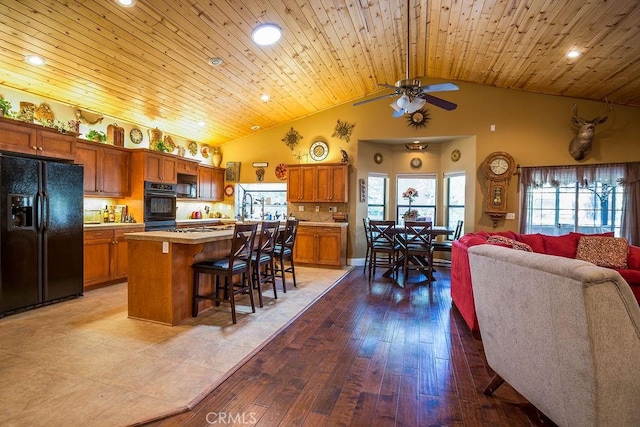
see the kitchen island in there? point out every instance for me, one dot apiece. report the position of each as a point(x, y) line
point(160, 276)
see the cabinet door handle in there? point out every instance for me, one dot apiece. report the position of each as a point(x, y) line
point(40, 148)
point(34, 147)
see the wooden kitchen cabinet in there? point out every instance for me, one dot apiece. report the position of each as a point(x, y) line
point(35, 140)
point(301, 183)
point(321, 246)
point(210, 183)
point(326, 183)
point(155, 166)
point(107, 169)
point(187, 167)
point(105, 256)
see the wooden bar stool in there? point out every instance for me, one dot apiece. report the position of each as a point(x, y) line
point(238, 262)
point(263, 257)
point(284, 252)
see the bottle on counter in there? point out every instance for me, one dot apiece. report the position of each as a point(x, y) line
point(105, 214)
point(112, 214)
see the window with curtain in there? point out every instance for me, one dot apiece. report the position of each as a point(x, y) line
point(583, 198)
point(424, 203)
point(377, 197)
point(454, 209)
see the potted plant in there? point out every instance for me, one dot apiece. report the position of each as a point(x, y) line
point(96, 135)
point(5, 107)
point(162, 147)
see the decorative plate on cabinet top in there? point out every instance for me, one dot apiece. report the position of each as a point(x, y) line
point(168, 142)
point(205, 151)
point(193, 148)
point(319, 150)
point(281, 172)
point(136, 136)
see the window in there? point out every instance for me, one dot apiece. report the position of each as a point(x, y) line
point(377, 197)
point(454, 209)
point(595, 208)
point(425, 203)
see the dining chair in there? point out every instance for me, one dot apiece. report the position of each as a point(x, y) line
point(416, 247)
point(262, 258)
point(237, 262)
point(367, 236)
point(284, 252)
point(445, 246)
point(384, 246)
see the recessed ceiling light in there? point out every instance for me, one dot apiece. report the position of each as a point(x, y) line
point(255, 127)
point(266, 34)
point(201, 124)
point(573, 53)
point(34, 59)
point(216, 62)
point(265, 97)
point(127, 3)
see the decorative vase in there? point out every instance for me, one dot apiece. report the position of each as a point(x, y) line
point(216, 159)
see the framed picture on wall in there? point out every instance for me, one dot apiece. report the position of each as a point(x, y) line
point(232, 173)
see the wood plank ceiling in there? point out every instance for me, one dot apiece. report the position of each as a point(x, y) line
point(148, 64)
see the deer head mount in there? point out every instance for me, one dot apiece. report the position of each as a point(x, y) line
point(581, 143)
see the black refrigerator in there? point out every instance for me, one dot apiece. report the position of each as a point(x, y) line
point(41, 240)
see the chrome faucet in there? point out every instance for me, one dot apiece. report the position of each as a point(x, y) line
point(244, 205)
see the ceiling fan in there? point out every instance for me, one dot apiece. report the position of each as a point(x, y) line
point(412, 94)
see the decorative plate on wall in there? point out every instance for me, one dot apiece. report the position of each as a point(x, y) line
point(416, 163)
point(319, 151)
point(377, 158)
point(136, 136)
point(228, 190)
point(455, 155)
point(281, 172)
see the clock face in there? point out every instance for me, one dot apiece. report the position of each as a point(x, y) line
point(499, 166)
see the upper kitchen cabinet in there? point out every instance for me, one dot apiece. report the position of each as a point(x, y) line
point(301, 183)
point(155, 166)
point(318, 183)
point(35, 140)
point(210, 183)
point(187, 167)
point(107, 169)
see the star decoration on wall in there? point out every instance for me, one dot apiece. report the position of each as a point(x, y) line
point(343, 130)
point(292, 138)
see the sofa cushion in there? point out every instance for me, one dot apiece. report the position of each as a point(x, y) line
point(603, 251)
point(535, 241)
point(632, 277)
point(510, 243)
point(633, 260)
point(564, 246)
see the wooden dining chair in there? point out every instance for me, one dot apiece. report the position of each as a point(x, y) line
point(446, 245)
point(367, 236)
point(262, 260)
point(384, 246)
point(237, 262)
point(416, 247)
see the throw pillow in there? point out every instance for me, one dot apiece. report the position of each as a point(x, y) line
point(603, 251)
point(565, 245)
point(511, 243)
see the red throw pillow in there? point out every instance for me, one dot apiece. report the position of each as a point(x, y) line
point(510, 243)
point(633, 260)
point(603, 251)
point(565, 245)
point(533, 240)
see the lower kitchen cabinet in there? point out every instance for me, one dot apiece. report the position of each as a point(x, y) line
point(105, 256)
point(321, 246)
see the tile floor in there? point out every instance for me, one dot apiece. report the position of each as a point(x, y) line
point(83, 362)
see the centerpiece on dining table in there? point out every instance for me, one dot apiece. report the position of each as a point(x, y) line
point(410, 194)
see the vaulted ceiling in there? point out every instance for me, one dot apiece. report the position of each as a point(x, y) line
point(149, 64)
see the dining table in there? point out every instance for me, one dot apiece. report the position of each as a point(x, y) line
point(434, 231)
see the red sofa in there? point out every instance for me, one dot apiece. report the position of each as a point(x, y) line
point(565, 246)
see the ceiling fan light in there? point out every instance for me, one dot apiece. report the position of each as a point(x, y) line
point(416, 104)
point(403, 102)
point(266, 34)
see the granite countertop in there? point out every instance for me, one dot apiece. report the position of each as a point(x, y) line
point(182, 238)
point(110, 225)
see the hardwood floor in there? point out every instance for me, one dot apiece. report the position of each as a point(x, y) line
point(367, 355)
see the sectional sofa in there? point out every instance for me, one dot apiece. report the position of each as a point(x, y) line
point(601, 249)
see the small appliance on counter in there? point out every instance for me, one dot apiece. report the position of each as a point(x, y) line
point(92, 216)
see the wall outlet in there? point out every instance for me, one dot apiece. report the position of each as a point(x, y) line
point(317, 208)
point(300, 208)
point(511, 215)
point(333, 209)
point(165, 247)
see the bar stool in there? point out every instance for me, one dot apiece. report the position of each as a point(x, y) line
point(263, 256)
point(238, 262)
point(284, 252)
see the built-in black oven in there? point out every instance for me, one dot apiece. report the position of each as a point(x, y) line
point(159, 206)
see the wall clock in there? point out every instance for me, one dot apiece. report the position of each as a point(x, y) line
point(416, 163)
point(418, 119)
point(498, 167)
point(455, 155)
point(136, 135)
point(319, 151)
point(377, 158)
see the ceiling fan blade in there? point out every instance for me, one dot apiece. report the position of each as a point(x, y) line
point(440, 87)
point(388, 85)
point(439, 102)
point(374, 99)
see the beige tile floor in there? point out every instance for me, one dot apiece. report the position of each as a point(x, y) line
point(83, 362)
